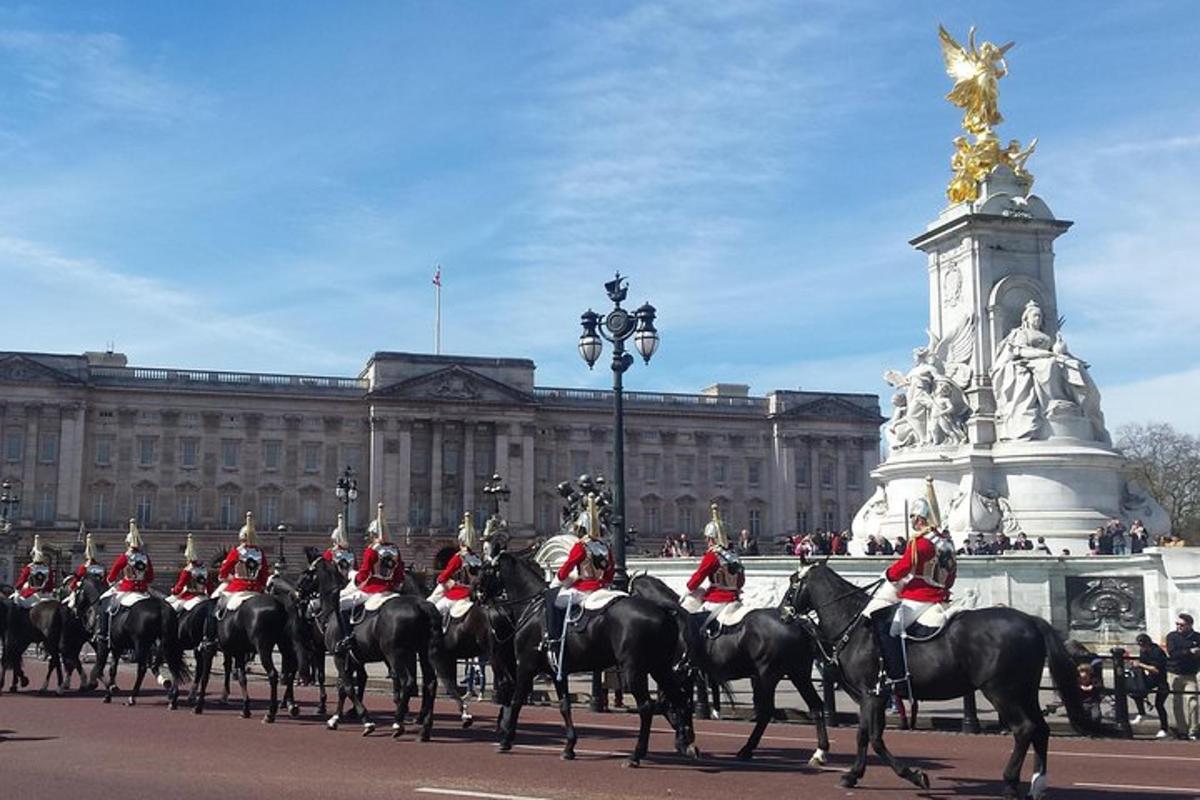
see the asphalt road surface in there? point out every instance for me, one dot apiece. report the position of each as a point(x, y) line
point(67, 746)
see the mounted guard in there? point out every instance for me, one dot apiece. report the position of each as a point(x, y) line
point(129, 579)
point(455, 582)
point(194, 584)
point(921, 578)
point(339, 553)
point(380, 577)
point(588, 568)
point(725, 574)
point(91, 566)
point(36, 580)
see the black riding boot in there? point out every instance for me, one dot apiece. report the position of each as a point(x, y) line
point(346, 632)
point(104, 620)
point(891, 650)
point(208, 643)
point(553, 623)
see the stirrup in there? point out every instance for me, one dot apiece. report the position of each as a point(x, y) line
point(343, 645)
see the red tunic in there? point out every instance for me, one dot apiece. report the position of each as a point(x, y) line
point(714, 594)
point(460, 589)
point(371, 583)
point(256, 584)
point(576, 559)
point(117, 573)
point(29, 591)
point(919, 552)
point(80, 574)
point(182, 587)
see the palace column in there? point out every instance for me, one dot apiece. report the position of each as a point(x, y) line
point(527, 516)
point(28, 508)
point(378, 435)
point(70, 461)
point(404, 471)
point(436, 518)
point(814, 483)
point(468, 467)
point(839, 482)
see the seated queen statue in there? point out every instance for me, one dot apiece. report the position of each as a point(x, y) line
point(1037, 383)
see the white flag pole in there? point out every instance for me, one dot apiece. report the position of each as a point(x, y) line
point(437, 317)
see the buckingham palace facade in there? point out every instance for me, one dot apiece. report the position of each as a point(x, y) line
point(88, 438)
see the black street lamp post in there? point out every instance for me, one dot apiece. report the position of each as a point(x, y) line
point(617, 326)
point(281, 559)
point(347, 491)
point(497, 491)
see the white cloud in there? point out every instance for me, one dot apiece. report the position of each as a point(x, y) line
point(1164, 398)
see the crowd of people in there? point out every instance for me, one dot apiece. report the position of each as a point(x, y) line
point(1114, 539)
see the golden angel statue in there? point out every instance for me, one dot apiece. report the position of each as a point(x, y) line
point(976, 72)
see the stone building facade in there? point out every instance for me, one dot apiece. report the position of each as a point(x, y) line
point(87, 438)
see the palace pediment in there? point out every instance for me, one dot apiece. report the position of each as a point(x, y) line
point(454, 384)
point(832, 408)
point(16, 368)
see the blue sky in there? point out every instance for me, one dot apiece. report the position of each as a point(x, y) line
point(267, 186)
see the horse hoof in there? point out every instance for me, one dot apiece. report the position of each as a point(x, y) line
point(107, 698)
point(694, 753)
point(567, 755)
point(269, 719)
point(198, 710)
point(503, 747)
point(245, 713)
point(632, 762)
point(745, 754)
point(848, 781)
point(131, 702)
point(332, 723)
point(293, 711)
point(368, 728)
point(397, 730)
point(818, 759)
point(60, 691)
point(426, 735)
point(919, 779)
point(24, 681)
point(467, 720)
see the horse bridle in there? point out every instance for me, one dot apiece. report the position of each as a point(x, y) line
point(831, 654)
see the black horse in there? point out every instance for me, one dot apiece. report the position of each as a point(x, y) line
point(254, 629)
point(628, 634)
point(306, 640)
point(405, 630)
point(148, 628)
point(190, 633)
point(763, 648)
point(43, 623)
point(999, 651)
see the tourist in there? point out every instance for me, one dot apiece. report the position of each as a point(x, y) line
point(1120, 540)
point(1041, 546)
point(901, 543)
point(1001, 544)
point(842, 543)
point(1152, 661)
point(1104, 541)
point(872, 546)
point(1093, 542)
point(1065, 552)
point(1183, 661)
point(685, 547)
point(885, 546)
point(1089, 691)
point(1139, 540)
point(668, 548)
point(1023, 543)
point(747, 545)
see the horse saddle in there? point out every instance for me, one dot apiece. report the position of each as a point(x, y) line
point(376, 600)
point(599, 599)
point(460, 608)
point(128, 599)
point(731, 614)
point(933, 620)
point(234, 600)
point(31, 601)
point(186, 605)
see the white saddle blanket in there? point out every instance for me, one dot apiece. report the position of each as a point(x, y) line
point(938, 614)
point(235, 599)
point(461, 608)
point(732, 613)
point(375, 601)
point(127, 599)
point(185, 605)
point(594, 601)
point(31, 601)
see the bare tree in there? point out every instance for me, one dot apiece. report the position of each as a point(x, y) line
point(1167, 463)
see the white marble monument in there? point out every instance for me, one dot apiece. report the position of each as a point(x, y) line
point(996, 408)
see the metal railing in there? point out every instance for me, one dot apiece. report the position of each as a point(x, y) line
point(605, 396)
point(223, 379)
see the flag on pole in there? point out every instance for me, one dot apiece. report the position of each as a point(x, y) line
point(437, 277)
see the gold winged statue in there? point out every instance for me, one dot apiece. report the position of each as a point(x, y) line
point(977, 71)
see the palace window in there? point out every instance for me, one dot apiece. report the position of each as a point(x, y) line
point(48, 447)
point(147, 450)
point(755, 522)
point(231, 453)
point(104, 451)
point(720, 466)
point(229, 510)
point(753, 471)
point(272, 454)
point(312, 457)
point(686, 467)
point(270, 509)
point(187, 508)
point(650, 466)
point(44, 508)
point(308, 511)
point(14, 445)
point(189, 453)
point(145, 507)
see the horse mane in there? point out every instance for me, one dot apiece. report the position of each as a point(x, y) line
point(522, 570)
point(311, 554)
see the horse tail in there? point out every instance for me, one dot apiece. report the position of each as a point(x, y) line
point(438, 655)
point(1062, 670)
point(168, 641)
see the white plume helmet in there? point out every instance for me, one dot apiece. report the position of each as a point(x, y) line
point(715, 529)
point(247, 535)
point(134, 537)
point(466, 532)
point(935, 514)
point(376, 529)
point(35, 553)
point(338, 535)
point(189, 550)
point(918, 507)
point(89, 549)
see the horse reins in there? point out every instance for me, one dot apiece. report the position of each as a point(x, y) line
point(831, 655)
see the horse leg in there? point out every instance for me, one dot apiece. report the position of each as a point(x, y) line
point(342, 683)
point(142, 658)
point(1041, 749)
point(268, 663)
point(401, 682)
point(323, 699)
point(429, 682)
point(51, 665)
point(877, 723)
point(522, 686)
point(640, 689)
point(852, 776)
point(240, 667)
point(713, 688)
point(114, 661)
point(357, 690)
point(764, 711)
point(816, 710)
point(564, 708)
point(227, 665)
point(204, 662)
point(1023, 730)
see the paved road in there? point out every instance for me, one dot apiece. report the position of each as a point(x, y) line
point(51, 746)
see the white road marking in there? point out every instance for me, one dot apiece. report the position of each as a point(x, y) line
point(1123, 755)
point(467, 793)
point(701, 732)
point(1132, 787)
